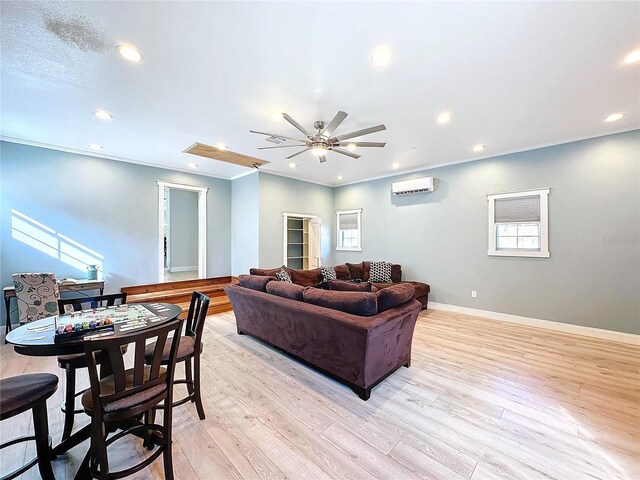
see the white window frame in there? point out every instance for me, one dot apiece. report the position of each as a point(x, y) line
point(544, 225)
point(357, 248)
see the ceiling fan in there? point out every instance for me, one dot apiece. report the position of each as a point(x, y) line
point(321, 142)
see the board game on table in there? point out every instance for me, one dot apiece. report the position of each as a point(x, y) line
point(103, 321)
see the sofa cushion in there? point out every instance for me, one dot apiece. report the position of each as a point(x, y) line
point(342, 272)
point(269, 272)
point(356, 303)
point(286, 290)
point(344, 286)
point(380, 272)
point(394, 296)
point(356, 270)
point(396, 273)
point(255, 282)
point(306, 278)
point(283, 276)
point(328, 273)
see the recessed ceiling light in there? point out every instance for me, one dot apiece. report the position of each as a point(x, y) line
point(479, 148)
point(351, 146)
point(222, 146)
point(276, 116)
point(633, 57)
point(339, 177)
point(381, 56)
point(102, 114)
point(614, 116)
point(443, 117)
point(130, 53)
point(395, 165)
point(293, 165)
point(95, 146)
point(193, 165)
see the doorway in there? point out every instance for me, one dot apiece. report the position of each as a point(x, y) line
point(302, 241)
point(182, 227)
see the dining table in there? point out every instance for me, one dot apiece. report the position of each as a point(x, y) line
point(38, 339)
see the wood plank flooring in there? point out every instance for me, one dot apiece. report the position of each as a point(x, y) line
point(482, 400)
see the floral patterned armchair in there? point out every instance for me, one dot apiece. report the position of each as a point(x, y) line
point(37, 295)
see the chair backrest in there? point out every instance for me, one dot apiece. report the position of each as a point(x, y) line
point(150, 384)
point(197, 313)
point(77, 303)
point(37, 295)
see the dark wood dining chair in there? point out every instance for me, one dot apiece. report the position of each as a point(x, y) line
point(190, 350)
point(121, 399)
point(30, 392)
point(71, 363)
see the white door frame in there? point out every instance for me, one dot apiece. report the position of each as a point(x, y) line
point(202, 225)
point(285, 216)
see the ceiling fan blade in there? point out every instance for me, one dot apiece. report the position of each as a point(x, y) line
point(298, 153)
point(345, 152)
point(359, 133)
point(297, 125)
point(277, 135)
point(282, 146)
point(361, 144)
point(337, 120)
point(322, 158)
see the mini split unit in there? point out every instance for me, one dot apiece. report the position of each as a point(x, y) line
point(415, 185)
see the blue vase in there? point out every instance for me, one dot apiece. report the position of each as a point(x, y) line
point(92, 272)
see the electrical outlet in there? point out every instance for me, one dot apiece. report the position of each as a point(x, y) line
point(474, 294)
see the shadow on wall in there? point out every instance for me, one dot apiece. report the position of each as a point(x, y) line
point(423, 198)
point(46, 240)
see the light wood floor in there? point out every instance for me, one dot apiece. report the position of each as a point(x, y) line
point(482, 400)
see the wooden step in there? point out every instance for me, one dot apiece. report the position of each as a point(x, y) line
point(179, 293)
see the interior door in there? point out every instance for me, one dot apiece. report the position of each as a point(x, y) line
point(315, 249)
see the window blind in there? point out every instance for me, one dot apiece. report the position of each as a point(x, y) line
point(348, 221)
point(517, 210)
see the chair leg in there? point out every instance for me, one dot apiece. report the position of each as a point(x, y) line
point(43, 447)
point(69, 402)
point(189, 377)
point(167, 458)
point(196, 385)
point(149, 419)
point(99, 448)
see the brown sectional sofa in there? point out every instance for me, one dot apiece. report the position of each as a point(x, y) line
point(358, 338)
point(348, 272)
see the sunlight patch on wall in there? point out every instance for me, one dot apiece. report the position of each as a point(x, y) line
point(46, 240)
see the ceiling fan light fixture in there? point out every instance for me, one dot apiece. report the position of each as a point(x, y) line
point(381, 56)
point(352, 147)
point(319, 149)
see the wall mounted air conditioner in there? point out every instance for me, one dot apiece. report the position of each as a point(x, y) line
point(415, 185)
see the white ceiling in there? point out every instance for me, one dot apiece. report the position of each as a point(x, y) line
point(514, 75)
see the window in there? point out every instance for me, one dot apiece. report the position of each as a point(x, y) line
point(349, 230)
point(518, 224)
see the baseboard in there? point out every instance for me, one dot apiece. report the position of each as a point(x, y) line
point(183, 269)
point(546, 324)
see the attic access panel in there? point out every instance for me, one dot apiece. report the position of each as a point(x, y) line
point(228, 156)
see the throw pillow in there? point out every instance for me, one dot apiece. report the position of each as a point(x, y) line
point(255, 282)
point(394, 296)
point(285, 290)
point(344, 286)
point(356, 303)
point(283, 276)
point(328, 273)
point(380, 272)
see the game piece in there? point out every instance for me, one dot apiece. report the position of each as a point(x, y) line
point(93, 324)
point(69, 328)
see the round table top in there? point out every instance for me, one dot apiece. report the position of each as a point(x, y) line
point(37, 338)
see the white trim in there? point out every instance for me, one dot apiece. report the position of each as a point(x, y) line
point(202, 225)
point(244, 174)
point(183, 269)
point(399, 173)
point(612, 335)
point(544, 225)
point(107, 157)
point(293, 177)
